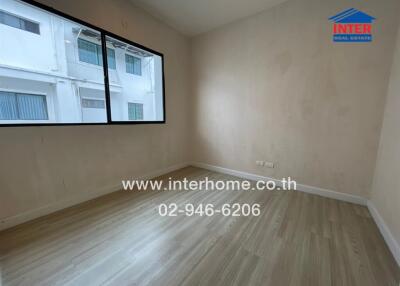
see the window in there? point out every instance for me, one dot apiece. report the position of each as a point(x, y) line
point(111, 59)
point(93, 110)
point(91, 53)
point(91, 77)
point(19, 106)
point(133, 65)
point(63, 86)
point(19, 23)
point(93, 103)
point(135, 111)
point(148, 88)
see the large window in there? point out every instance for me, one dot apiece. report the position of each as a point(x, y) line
point(73, 72)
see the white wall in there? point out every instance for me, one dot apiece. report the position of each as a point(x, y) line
point(45, 166)
point(386, 186)
point(275, 87)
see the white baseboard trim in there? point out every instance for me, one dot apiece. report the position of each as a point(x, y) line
point(9, 222)
point(385, 231)
point(300, 187)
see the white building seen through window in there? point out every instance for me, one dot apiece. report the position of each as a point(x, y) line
point(61, 79)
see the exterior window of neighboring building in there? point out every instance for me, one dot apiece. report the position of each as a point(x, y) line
point(111, 59)
point(93, 110)
point(135, 111)
point(133, 65)
point(91, 53)
point(20, 106)
point(19, 23)
point(93, 103)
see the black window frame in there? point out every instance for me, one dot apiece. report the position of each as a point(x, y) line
point(104, 33)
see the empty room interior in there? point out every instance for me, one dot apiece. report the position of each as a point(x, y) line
point(214, 142)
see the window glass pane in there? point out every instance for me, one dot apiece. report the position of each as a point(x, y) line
point(32, 27)
point(88, 52)
point(92, 53)
point(129, 64)
point(18, 22)
point(137, 66)
point(12, 21)
point(93, 103)
point(49, 73)
point(8, 106)
point(146, 88)
point(16, 106)
point(133, 65)
point(111, 58)
point(139, 111)
point(31, 107)
point(135, 111)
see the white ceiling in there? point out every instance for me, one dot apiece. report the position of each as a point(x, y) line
point(192, 17)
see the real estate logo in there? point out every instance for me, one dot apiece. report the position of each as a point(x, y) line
point(352, 25)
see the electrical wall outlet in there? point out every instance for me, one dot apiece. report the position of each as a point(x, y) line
point(269, 164)
point(260, 163)
point(265, 164)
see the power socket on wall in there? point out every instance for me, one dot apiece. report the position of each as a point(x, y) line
point(260, 163)
point(265, 164)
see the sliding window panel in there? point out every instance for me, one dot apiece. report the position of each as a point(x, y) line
point(50, 67)
point(136, 83)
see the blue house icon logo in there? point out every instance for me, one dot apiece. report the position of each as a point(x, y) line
point(352, 25)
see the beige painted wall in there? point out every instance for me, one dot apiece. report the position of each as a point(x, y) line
point(386, 186)
point(270, 87)
point(274, 87)
point(42, 166)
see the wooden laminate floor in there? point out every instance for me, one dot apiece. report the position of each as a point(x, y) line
point(120, 239)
